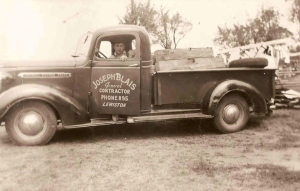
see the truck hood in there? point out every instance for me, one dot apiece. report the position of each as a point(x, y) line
point(39, 63)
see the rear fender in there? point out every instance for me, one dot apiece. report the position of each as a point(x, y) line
point(69, 110)
point(230, 86)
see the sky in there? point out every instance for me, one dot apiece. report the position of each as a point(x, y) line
point(50, 29)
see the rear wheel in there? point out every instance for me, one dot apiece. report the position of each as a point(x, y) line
point(31, 123)
point(231, 114)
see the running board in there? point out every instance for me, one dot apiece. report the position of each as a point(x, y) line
point(170, 111)
point(136, 119)
point(96, 123)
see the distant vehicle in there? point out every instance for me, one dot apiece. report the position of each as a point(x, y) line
point(93, 90)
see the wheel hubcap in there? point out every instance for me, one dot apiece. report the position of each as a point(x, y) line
point(31, 123)
point(231, 114)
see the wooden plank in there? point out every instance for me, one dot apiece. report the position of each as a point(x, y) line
point(189, 64)
point(179, 54)
point(210, 62)
point(172, 65)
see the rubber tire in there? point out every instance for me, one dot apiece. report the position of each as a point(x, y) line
point(249, 63)
point(241, 103)
point(45, 111)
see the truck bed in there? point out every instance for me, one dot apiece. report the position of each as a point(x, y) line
point(190, 86)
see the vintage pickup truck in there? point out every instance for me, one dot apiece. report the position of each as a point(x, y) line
point(39, 98)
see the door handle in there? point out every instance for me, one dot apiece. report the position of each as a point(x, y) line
point(133, 65)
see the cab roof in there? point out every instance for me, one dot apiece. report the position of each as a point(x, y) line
point(128, 28)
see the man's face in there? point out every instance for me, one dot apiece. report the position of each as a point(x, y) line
point(119, 48)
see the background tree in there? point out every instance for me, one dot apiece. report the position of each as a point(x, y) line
point(264, 27)
point(164, 29)
point(295, 11)
point(171, 30)
point(295, 14)
point(142, 15)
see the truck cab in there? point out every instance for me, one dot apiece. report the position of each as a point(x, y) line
point(95, 89)
point(120, 87)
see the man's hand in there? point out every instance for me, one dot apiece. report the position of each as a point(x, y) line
point(123, 58)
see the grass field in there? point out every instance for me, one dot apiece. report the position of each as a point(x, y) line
point(174, 155)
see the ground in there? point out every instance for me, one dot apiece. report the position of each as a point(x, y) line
point(175, 155)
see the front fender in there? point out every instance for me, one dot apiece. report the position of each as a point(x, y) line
point(229, 86)
point(69, 110)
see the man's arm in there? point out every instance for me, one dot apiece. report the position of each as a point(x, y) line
point(122, 58)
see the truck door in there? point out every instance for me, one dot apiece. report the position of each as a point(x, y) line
point(115, 84)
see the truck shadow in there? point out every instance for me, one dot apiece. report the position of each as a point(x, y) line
point(177, 128)
point(4, 138)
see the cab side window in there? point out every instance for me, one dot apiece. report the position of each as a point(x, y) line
point(117, 48)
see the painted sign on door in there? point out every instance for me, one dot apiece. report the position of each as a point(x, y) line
point(116, 92)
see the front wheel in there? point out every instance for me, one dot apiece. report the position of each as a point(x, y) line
point(31, 123)
point(231, 114)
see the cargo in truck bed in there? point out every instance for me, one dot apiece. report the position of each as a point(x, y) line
point(186, 59)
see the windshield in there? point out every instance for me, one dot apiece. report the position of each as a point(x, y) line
point(83, 45)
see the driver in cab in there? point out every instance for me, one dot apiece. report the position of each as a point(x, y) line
point(120, 53)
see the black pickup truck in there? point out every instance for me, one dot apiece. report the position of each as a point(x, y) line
point(92, 89)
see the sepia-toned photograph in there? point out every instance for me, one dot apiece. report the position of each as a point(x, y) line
point(149, 95)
